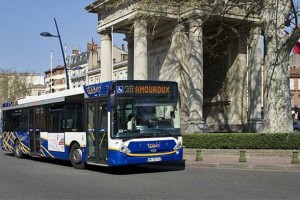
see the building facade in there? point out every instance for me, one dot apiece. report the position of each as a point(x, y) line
point(55, 79)
point(77, 64)
point(94, 70)
point(213, 53)
point(85, 68)
point(294, 71)
point(37, 83)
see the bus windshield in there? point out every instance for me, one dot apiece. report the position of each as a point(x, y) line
point(145, 116)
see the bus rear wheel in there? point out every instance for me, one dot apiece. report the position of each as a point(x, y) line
point(76, 157)
point(17, 150)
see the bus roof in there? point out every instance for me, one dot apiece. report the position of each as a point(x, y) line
point(90, 91)
point(42, 99)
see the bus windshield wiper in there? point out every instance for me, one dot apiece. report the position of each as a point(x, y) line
point(143, 135)
point(153, 132)
point(165, 132)
point(138, 136)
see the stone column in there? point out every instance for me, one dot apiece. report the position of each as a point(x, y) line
point(255, 81)
point(106, 56)
point(140, 50)
point(130, 61)
point(195, 122)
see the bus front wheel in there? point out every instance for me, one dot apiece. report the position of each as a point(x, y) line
point(76, 157)
point(17, 150)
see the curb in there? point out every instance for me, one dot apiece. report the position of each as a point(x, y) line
point(198, 164)
point(279, 160)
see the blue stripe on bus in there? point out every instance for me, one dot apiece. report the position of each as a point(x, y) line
point(159, 146)
point(8, 143)
point(9, 138)
point(56, 154)
point(117, 158)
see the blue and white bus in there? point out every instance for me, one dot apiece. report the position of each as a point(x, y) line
point(125, 122)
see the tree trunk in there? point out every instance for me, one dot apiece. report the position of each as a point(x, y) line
point(277, 104)
point(278, 116)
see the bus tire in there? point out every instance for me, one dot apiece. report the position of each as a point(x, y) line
point(17, 150)
point(76, 157)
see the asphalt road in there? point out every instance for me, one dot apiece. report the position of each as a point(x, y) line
point(47, 179)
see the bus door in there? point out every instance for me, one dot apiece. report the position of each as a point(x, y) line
point(35, 125)
point(97, 135)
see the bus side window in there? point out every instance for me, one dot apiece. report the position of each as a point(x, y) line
point(72, 118)
point(55, 118)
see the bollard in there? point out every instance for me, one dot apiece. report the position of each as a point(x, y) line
point(242, 156)
point(295, 159)
point(198, 155)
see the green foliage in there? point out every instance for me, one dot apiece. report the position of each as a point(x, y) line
point(242, 140)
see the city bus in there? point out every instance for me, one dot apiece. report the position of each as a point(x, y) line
point(114, 123)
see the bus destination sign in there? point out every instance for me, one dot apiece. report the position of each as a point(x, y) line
point(143, 89)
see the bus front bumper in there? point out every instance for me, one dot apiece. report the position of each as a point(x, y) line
point(117, 158)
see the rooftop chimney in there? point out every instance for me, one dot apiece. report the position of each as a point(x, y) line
point(92, 46)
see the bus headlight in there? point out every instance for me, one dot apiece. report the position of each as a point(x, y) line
point(124, 149)
point(178, 145)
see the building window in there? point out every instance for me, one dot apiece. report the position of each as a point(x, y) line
point(292, 83)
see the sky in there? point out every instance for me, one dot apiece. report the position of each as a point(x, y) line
point(22, 49)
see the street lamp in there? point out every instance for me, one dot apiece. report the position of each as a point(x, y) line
point(47, 34)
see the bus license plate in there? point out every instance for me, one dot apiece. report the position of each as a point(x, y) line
point(156, 159)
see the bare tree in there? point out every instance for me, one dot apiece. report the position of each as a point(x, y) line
point(14, 85)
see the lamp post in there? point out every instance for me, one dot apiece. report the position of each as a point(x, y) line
point(51, 81)
point(47, 34)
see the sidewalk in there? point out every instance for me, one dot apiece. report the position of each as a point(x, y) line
point(255, 159)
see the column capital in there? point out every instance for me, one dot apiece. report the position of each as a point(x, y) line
point(140, 28)
point(195, 23)
point(140, 22)
point(105, 37)
point(255, 30)
point(105, 32)
point(195, 30)
point(179, 28)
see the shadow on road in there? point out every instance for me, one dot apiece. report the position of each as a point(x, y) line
point(140, 169)
point(44, 160)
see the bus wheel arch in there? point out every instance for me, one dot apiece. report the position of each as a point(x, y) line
point(75, 156)
point(17, 149)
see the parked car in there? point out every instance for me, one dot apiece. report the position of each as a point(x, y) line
point(296, 125)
